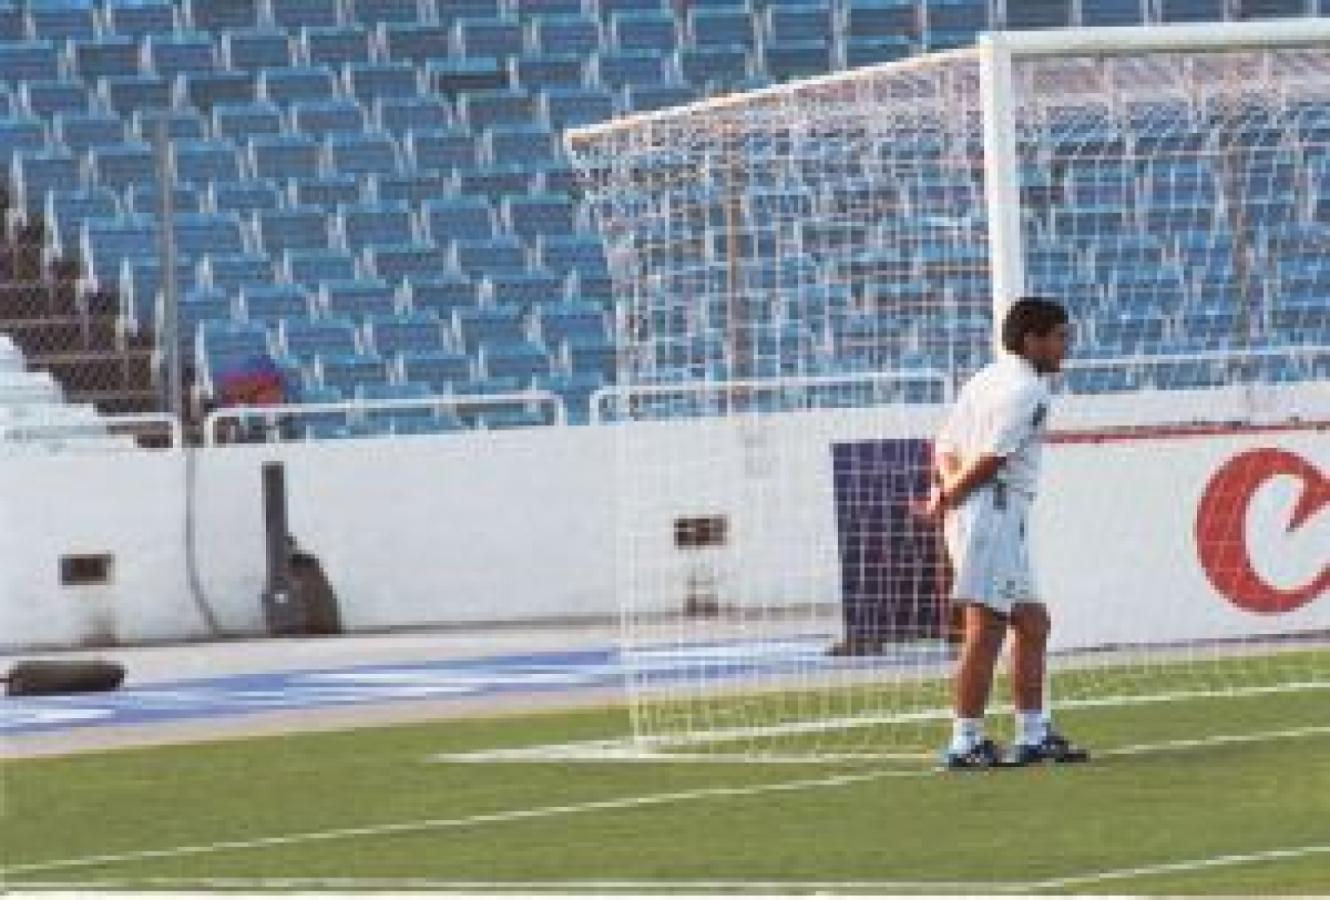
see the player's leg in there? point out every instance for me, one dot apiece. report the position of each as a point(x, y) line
point(984, 632)
point(1036, 739)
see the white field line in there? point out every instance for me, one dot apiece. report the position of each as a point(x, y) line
point(635, 802)
point(579, 886)
point(659, 749)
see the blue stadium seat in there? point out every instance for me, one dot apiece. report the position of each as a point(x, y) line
point(232, 272)
point(370, 224)
point(364, 154)
point(257, 48)
point(328, 192)
point(368, 82)
point(536, 216)
point(206, 161)
point(398, 262)
point(1112, 12)
point(171, 54)
point(1026, 14)
point(12, 26)
point(117, 166)
point(82, 131)
point(349, 371)
point(440, 369)
point(796, 59)
point(562, 254)
point(523, 360)
point(417, 42)
point(356, 300)
point(713, 65)
point(528, 9)
point(304, 339)
point(575, 34)
point(269, 304)
point(207, 89)
point(1191, 10)
point(199, 234)
point(527, 144)
point(454, 77)
point(196, 306)
point(29, 61)
point(220, 342)
point(615, 70)
point(294, 228)
point(244, 197)
point(140, 18)
point(883, 19)
point(294, 84)
point(20, 134)
point(321, 118)
point(414, 188)
point(496, 182)
point(558, 322)
point(492, 38)
point(449, 218)
point(648, 30)
point(539, 71)
point(442, 293)
point(144, 198)
point(562, 108)
point(588, 355)
point(407, 333)
point(130, 94)
point(486, 109)
point(422, 419)
point(67, 209)
point(180, 124)
point(489, 324)
point(305, 13)
point(61, 20)
point(105, 56)
point(807, 21)
point(609, 8)
point(528, 289)
point(441, 150)
point(497, 254)
point(283, 157)
point(651, 97)
point(312, 267)
point(37, 173)
point(210, 15)
point(46, 99)
point(334, 45)
point(240, 121)
point(731, 27)
point(375, 12)
point(398, 116)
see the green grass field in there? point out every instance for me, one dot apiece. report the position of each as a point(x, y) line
point(1207, 795)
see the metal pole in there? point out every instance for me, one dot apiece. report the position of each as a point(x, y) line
point(170, 323)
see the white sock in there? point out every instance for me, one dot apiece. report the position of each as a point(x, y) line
point(1031, 727)
point(965, 734)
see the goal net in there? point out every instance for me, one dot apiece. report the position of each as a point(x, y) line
point(805, 275)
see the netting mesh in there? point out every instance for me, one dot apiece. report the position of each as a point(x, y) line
point(803, 278)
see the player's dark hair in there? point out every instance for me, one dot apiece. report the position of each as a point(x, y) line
point(1031, 315)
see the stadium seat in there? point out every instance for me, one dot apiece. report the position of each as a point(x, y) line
point(312, 267)
point(36, 60)
point(368, 82)
point(576, 35)
point(537, 72)
point(68, 208)
point(294, 228)
point(349, 371)
point(105, 56)
point(713, 65)
point(527, 144)
point(80, 132)
point(454, 77)
point(441, 150)
point(206, 161)
point(244, 197)
point(563, 108)
point(61, 20)
point(128, 94)
point(440, 294)
point(140, 282)
point(210, 15)
point(413, 188)
point(117, 166)
point(489, 324)
point(398, 262)
point(488, 38)
point(328, 192)
point(486, 109)
point(651, 97)
point(358, 300)
point(322, 118)
point(370, 224)
point(145, 199)
point(283, 157)
point(35, 174)
point(259, 48)
point(207, 89)
point(293, 85)
point(409, 333)
point(497, 254)
point(522, 360)
point(375, 12)
point(439, 369)
point(232, 272)
point(168, 55)
point(399, 116)
point(140, 18)
point(240, 121)
point(417, 42)
point(304, 339)
point(334, 45)
point(362, 155)
point(615, 70)
point(269, 304)
point(305, 13)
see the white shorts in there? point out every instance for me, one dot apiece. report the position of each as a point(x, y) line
point(990, 557)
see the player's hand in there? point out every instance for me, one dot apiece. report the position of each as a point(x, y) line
point(934, 507)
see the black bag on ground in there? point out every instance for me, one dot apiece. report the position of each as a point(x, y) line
point(35, 677)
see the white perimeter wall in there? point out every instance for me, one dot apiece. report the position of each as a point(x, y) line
point(527, 525)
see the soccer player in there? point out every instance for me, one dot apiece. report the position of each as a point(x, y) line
point(986, 465)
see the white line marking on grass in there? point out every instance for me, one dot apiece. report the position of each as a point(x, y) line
point(614, 804)
point(512, 815)
point(1191, 865)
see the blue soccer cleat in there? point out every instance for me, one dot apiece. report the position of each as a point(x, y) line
point(1053, 748)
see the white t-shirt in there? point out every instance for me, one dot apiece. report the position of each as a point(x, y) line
point(1001, 411)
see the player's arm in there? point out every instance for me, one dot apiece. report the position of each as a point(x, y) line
point(965, 479)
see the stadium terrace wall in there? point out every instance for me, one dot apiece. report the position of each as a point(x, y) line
point(520, 526)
